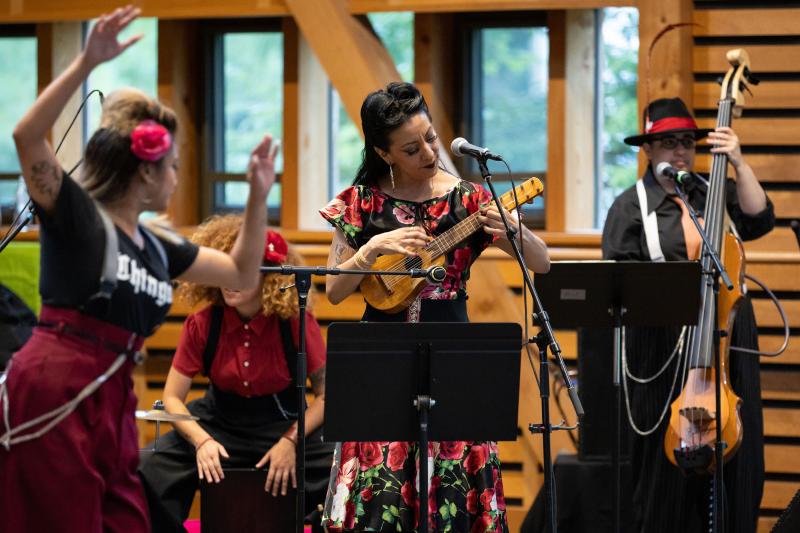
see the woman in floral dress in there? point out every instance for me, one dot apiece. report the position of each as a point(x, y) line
point(399, 201)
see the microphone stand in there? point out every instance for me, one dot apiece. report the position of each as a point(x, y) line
point(302, 281)
point(25, 218)
point(713, 276)
point(544, 339)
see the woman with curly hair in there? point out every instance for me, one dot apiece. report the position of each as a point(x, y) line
point(68, 443)
point(245, 342)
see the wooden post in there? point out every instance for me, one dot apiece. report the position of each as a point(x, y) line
point(290, 198)
point(554, 192)
point(178, 79)
point(670, 72)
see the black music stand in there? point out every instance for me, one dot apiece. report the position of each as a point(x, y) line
point(420, 382)
point(619, 294)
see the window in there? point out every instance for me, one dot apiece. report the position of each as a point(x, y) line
point(396, 31)
point(137, 67)
point(246, 101)
point(18, 48)
point(618, 116)
point(506, 104)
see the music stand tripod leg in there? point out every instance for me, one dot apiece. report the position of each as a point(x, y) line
point(619, 348)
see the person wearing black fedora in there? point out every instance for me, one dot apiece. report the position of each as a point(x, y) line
point(647, 222)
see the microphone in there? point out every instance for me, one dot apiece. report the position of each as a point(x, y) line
point(434, 274)
point(461, 147)
point(680, 176)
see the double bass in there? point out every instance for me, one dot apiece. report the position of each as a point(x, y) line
point(691, 435)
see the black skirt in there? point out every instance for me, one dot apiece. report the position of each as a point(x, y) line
point(665, 500)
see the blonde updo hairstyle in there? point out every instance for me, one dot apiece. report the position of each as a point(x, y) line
point(220, 232)
point(109, 163)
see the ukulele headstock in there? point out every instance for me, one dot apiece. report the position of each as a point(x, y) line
point(526, 192)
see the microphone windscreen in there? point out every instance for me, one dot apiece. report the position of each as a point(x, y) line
point(455, 146)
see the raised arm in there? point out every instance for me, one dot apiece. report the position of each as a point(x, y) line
point(239, 269)
point(40, 168)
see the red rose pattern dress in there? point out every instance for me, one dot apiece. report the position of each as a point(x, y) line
point(373, 485)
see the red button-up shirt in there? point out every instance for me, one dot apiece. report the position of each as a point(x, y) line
point(249, 360)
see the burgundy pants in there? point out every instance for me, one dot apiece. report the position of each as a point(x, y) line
point(81, 475)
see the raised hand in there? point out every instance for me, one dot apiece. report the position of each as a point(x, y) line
point(103, 44)
point(261, 168)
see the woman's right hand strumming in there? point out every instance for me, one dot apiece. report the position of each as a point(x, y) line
point(209, 466)
point(405, 241)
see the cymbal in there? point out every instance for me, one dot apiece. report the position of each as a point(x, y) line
point(159, 415)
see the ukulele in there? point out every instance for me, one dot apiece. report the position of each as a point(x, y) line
point(392, 294)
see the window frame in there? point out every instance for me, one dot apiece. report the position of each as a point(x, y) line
point(213, 111)
point(468, 28)
point(19, 31)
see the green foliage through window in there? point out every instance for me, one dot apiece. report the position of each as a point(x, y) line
point(137, 67)
point(619, 53)
point(18, 79)
point(396, 31)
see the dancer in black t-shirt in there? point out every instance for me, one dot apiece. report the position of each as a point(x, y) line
point(69, 445)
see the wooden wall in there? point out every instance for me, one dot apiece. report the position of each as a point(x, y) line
point(770, 133)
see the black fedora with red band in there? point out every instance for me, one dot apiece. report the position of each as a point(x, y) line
point(666, 116)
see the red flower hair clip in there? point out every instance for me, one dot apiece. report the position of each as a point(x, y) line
point(150, 141)
point(275, 248)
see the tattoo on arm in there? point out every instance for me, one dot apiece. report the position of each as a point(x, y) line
point(46, 178)
point(318, 381)
point(338, 253)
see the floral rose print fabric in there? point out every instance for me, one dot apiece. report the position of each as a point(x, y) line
point(364, 211)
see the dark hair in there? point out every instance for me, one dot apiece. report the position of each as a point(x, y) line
point(382, 112)
point(109, 163)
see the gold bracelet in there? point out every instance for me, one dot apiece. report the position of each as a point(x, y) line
point(360, 262)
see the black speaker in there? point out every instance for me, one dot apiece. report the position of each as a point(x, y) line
point(789, 522)
point(596, 390)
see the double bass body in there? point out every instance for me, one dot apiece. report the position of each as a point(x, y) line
point(690, 437)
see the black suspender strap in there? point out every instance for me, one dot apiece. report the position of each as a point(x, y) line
point(289, 349)
point(214, 329)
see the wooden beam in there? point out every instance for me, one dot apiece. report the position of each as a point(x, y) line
point(290, 195)
point(434, 70)
point(17, 11)
point(66, 44)
point(354, 59)
point(313, 155)
point(579, 118)
point(44, 60)
point(737, 22)
point(451, 6)
point(772, 95)
point(178, 79)
point(554, 192)
point(763, 58)
point(670, 64)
